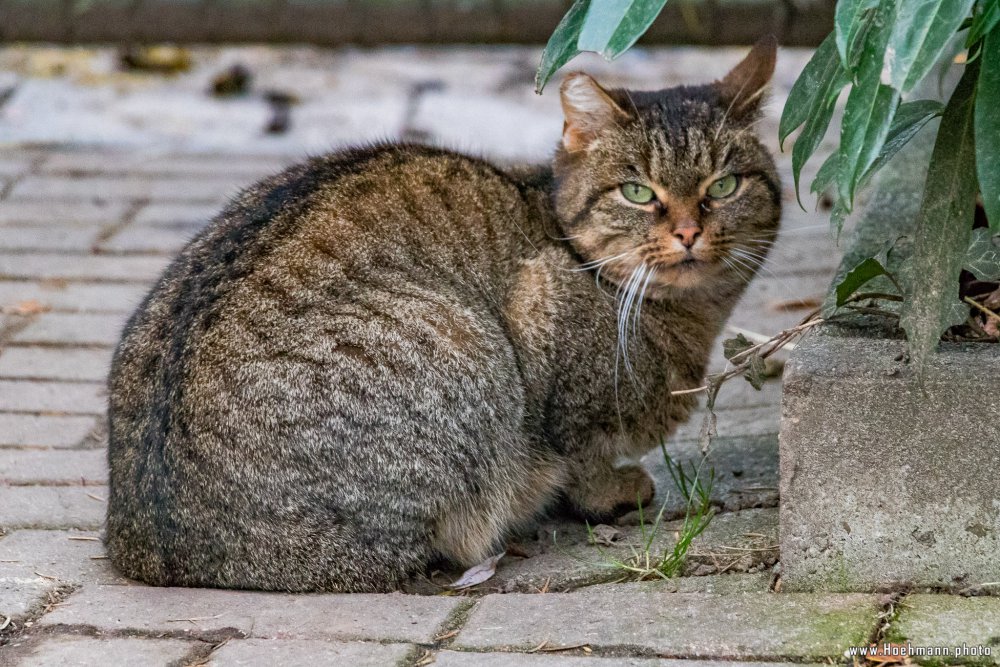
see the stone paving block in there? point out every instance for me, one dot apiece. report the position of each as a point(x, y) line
point(48, 237)
point(52, 397)
point(307, 653)
point(83, 212)
point(54, 363)
point(71, 556)
point(148, 239)
point(14, 166)
point(948, 621)
point(81, 267)
point(750, 625)
point(562, 557)
point(737, 393)
point(66, 296)
point(75, 651)
point(24, 595)
point(179, 216)
point(745, 467)
point(760, 420)
point(35, 467)
point(73, 329)
point(393, 617)
point(43, 431)
point(465, 659)
point(141, 162)
point(52, 507)
point(91, 188)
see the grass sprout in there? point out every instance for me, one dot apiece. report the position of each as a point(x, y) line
point(695, 485)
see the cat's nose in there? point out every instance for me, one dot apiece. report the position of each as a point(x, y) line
point(687, 235)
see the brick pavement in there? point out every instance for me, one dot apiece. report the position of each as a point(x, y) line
point(86, 227)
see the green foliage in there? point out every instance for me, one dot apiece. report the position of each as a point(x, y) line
point(861, 274)
point(944, 227)
point(988, 125)
point(607, 27)
point(982, 259)
point(880, 50)
point(695, 487)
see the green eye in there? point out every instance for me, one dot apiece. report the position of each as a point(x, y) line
point(724, 187)
point(637, 193)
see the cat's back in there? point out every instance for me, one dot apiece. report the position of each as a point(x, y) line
point(385, 257)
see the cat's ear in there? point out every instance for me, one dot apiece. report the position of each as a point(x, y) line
point(742, 90)
point(588, 109)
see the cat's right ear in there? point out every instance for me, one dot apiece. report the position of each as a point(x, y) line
point(588, 109)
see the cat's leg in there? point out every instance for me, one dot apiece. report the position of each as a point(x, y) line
point(602, 484)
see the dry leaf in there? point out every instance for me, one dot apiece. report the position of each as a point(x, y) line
point(604, 535)
point(790, 305)
point(477, 574)
point(27, 307)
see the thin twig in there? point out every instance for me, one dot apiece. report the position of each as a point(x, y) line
point(989, 313)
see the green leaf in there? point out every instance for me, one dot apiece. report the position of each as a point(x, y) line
point(920, 33)
point(910, 118)
point(943, 227)
point(562, 45)
point(868, 113)
point(756, 372)
point(608, 27)
point(982, 258)
point(988, 128)
point(813, 88)
point(733, 346)
point(811, 101)
point(858, 276)
point(612, 26)
point(987, 17)
point(826, 175)
point(852, 19)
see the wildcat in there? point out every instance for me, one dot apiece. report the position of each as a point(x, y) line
point(396, 354)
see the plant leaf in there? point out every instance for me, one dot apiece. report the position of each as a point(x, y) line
point(858, 276)
point(733, 346)
point(869, 110)
point(812, 86)
point(608, 27)
point(814, 102)
point(756, 372)
point(920, 33)
point(988, 128)
point(477, 574)
point(612, 26)
point(910, 118)
point(982, 258)
point(826, 175)
point(943, 227)
point(851, 19)
point(562, 45)
point(984, 21)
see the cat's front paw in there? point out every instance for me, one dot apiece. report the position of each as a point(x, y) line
point(612, 492)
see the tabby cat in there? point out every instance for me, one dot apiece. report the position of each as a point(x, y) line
point(396, 354)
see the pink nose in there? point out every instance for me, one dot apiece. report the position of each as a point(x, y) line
point(687, 235)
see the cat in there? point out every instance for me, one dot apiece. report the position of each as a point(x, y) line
point(397, 354)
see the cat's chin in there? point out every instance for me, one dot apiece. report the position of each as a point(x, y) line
point(689, 274)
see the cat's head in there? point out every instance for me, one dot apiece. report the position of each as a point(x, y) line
point(669, 189)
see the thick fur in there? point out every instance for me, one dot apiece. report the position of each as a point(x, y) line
point(395, 354)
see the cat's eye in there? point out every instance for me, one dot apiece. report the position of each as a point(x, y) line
point(637, 193)
point(724, 187)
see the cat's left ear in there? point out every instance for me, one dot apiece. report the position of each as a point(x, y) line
point(742, 90)
point(588, 110)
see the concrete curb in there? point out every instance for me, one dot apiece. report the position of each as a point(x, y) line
point(366, 22)
point(888, 480)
